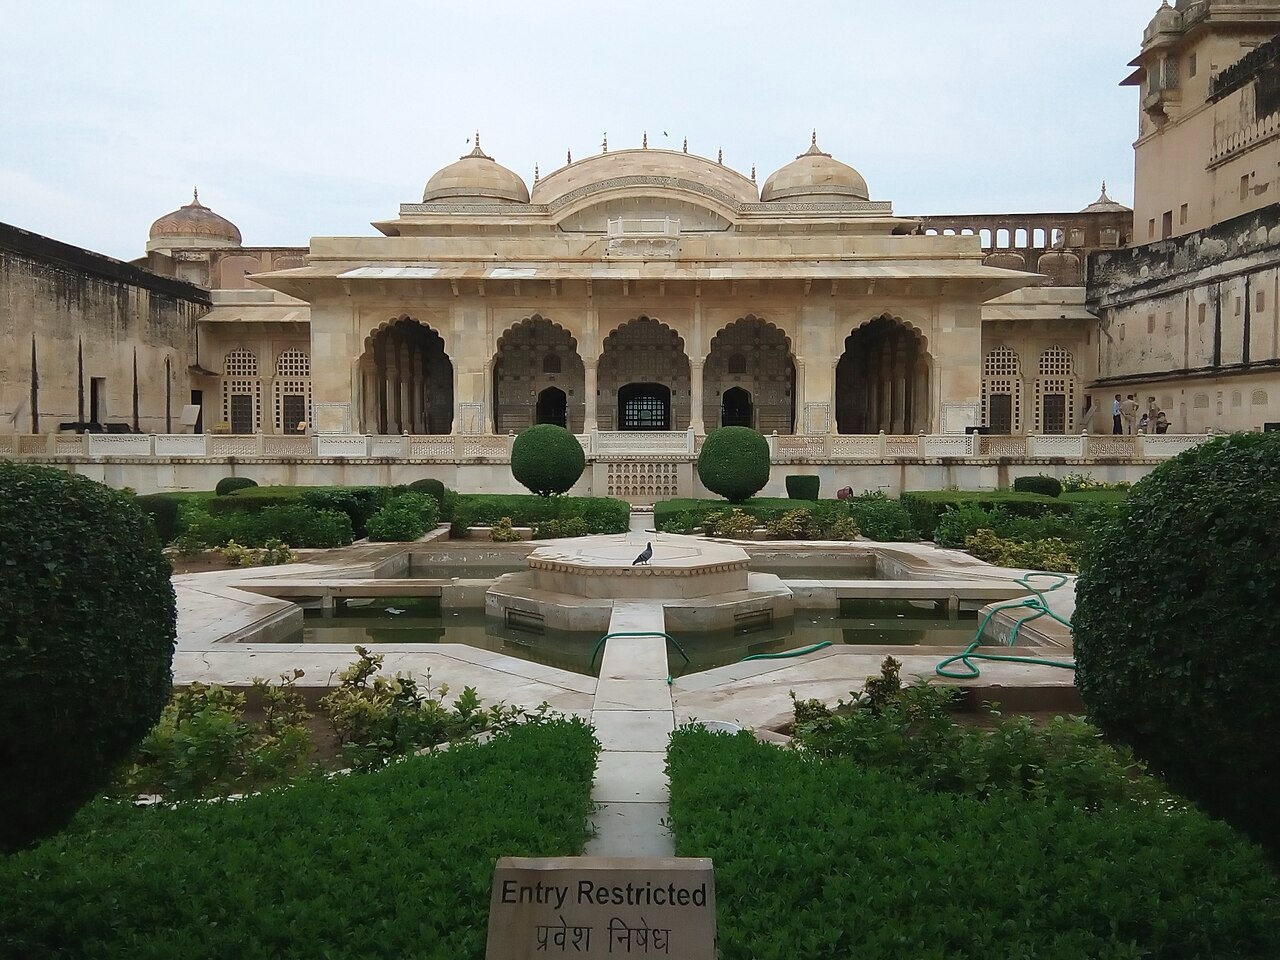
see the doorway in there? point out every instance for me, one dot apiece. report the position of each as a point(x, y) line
point(644, 406)
point(1055, 413)
point(553, 407)
point(1000, 413)
point(736, 409)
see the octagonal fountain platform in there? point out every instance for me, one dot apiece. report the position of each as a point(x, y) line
point(572, 585)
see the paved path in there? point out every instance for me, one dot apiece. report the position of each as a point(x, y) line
point(633, 717)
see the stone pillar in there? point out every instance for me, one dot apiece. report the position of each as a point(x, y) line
point(589, 386)
point(369, 396)
point(900, 388)
point(956, 349)
point(797, 399)
point(884, 389)
point(391, 370)
point(406, 389)
point(695, 397)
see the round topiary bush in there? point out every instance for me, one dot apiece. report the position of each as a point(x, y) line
point(231, 484)
point(1176, 632)
point(801, 487)
point(734, 463)
point(87, 628)
point(547, 459)
point(1049, 486)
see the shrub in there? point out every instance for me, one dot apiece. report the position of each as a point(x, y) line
point(431, 487)
point(1182, 671)
point(734, 463)
point(87, 626)
point(554, 529)
point(862, 860)
point(229, 485)
point(1051, 554)
point(406, 517)
point(293, 524)
point(803, 487)
point(792, 525)
point(272, 554)
point(163, 512)
point(842, 528)
point(547, 459)
point(926, 507)
point(1049, 486)
point(358, 503)
point(601, 514)
point(881, 518)
point(736, 524)
point(503, 532)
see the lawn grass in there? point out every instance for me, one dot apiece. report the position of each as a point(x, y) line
point(394, 864)
point(820, 859)
point(1095, 496)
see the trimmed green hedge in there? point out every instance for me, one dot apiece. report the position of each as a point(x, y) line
point(547, 459)
point(294, 524)
point(927, 506)
point(734, 462)
point(228, 485)
point(163, 512)
point(601, 514)
point(803, 487)
point(87, 625)
point(1049, 486)
point(820, 859)
point(1184, 671)
point(379, 866)
point(877, 516)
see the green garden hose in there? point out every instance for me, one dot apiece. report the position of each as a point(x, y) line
point(787, 653)
point(638, 633)
point(1038, 607)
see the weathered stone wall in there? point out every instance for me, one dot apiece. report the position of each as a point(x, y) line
point(1193, 322)
point(80, 331)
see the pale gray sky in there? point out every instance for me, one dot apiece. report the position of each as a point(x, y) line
point(301, 119)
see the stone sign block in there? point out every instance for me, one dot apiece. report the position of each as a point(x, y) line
point(602, 907)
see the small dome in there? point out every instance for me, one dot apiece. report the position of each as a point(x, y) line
point(815, 175)
point(196, 222)
point(476, 177)
point(1105, 204)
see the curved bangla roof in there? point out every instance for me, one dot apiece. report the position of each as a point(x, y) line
point(643, 166)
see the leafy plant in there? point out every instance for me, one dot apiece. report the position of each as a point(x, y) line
point(1051, 554)
point(792, 525)
point(1182, 672)
point(294, 524)
point(503, 532)
point(734, 463)
point(600, 514)
point(273, 553)
point(163, 512)
point(404, 517)
point(735, 524)
point(841, 528)
point(547, 459)
point(568, 527)
point(87, 626)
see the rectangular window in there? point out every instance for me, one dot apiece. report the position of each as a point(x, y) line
point(97, 399)
point(241, 413)
point(1244, 188)
point(1166, 225)
point(1151, 228)
point(1055, 413)
point(294, 411)
point(1200, 311)
point(1191, 65)
point(1151, 323)
point(1239, 305)
point(1168, 320)
point(1000, 413)
point(1182, 214)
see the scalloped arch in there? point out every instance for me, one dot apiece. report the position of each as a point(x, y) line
point(923, 337)
point(534, 318)
point(611, 337)
point(392, 321)
point(751, 318)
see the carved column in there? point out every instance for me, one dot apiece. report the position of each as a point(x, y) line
point(900, 424)
point(392, 381)
point(695, 397)
point(369, 396)
point(798, 423)
point(589, 386)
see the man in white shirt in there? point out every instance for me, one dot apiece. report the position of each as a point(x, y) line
point(1115, 415)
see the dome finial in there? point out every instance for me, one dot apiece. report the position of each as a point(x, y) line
point(720, 156)
point(536, 175)
point(568, 157)
point(195, 196)
point(753, 173)
point(685, 148)
point(476, 151)
point(813, 137)
point(644, 142)
point(604, 144)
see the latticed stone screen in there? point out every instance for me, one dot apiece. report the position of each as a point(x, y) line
point(754, 356)
point(533, 356)
point(292, 390)
point(1056, 392)
point(241, 392)
point(1002, 390)
point(643, 351)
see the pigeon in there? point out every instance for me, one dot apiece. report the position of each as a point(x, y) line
point(645, 554)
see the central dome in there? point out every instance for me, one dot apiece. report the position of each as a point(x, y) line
point(645, 167)
point(194, 225)
point(476, 177)
point(814, 175)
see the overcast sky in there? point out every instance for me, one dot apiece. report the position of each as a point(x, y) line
point(301, 119)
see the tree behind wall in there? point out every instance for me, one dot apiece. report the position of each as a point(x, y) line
point(87, 627)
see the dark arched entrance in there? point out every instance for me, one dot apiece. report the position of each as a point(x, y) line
point(553, 407)
point(407, 380)
point(882, 380)
point(736, 409)
point(644, 406)
point(532, 357)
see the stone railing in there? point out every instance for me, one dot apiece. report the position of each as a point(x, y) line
point(606, 445)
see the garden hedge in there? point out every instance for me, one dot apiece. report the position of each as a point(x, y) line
point(87, 627)
point(818, 859)
point(803, 487)
point(601, 514)
point(293, 523)
point(229, 485)
point(375, 866)
point(1176, 631)
point(927, 506)
point(163, 512)
point(877, 516)
point(1049, 486)
point(403, 518)
point(431, 487)
point(734, 463)
point(547, 459)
